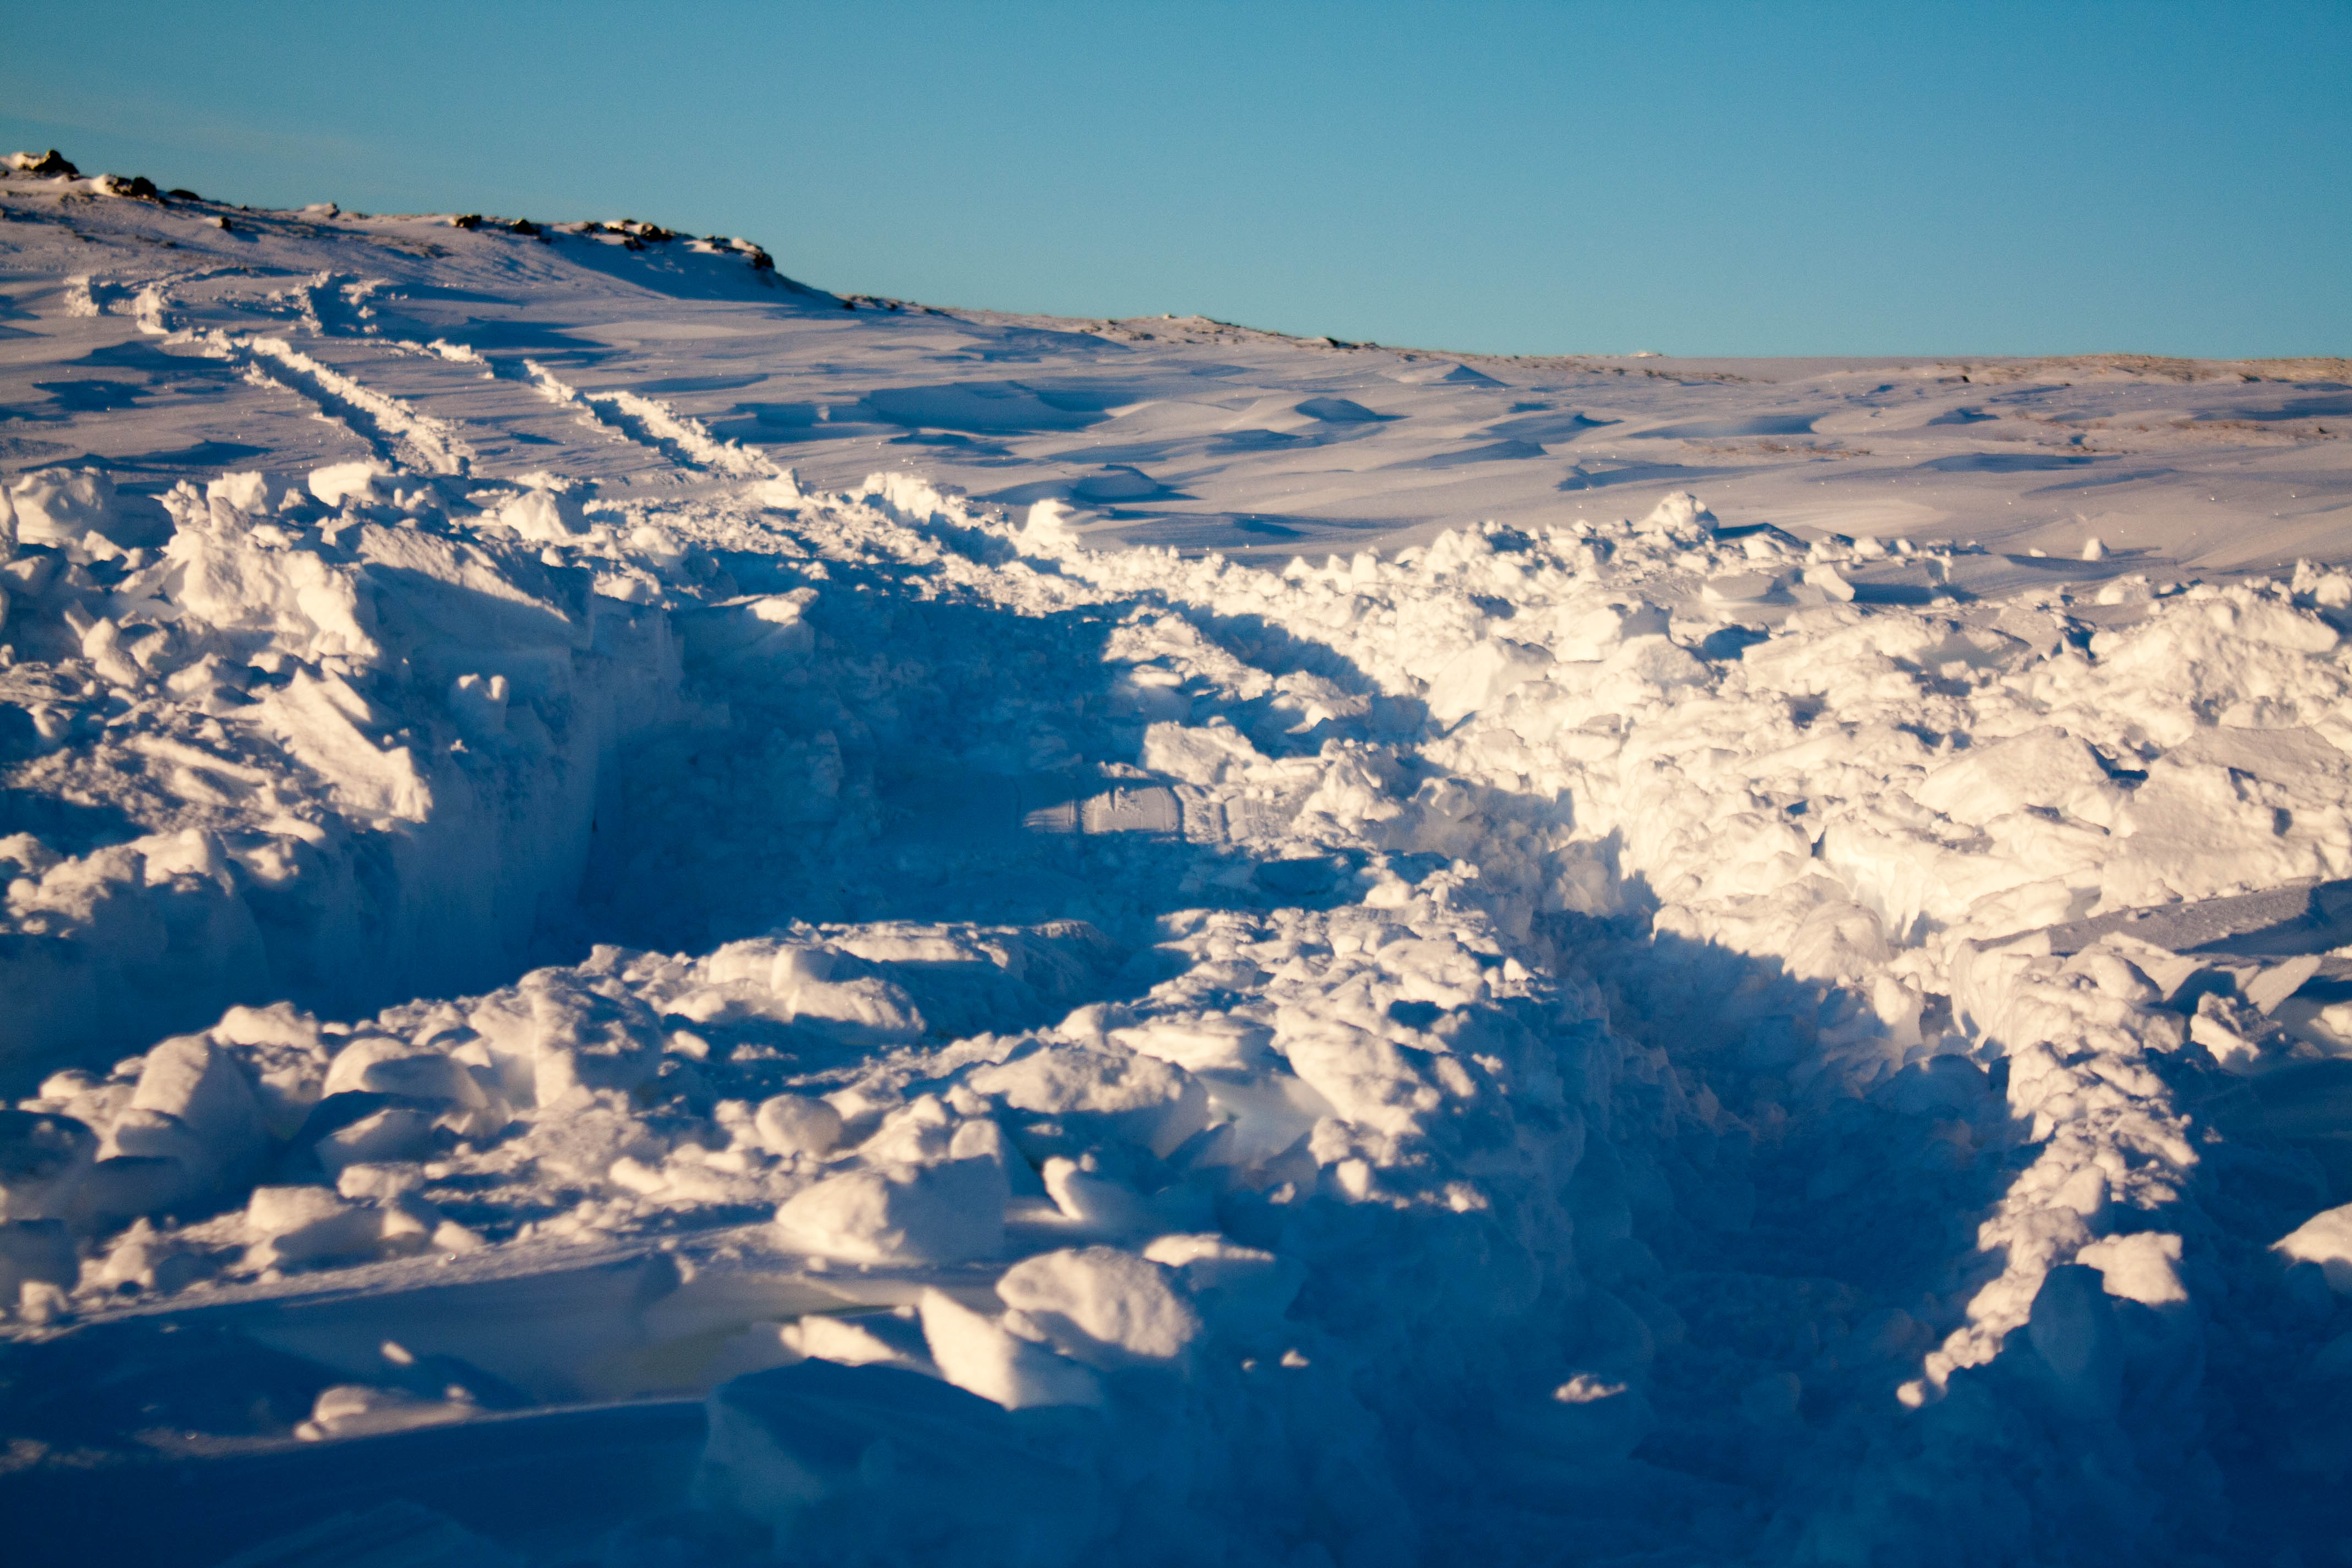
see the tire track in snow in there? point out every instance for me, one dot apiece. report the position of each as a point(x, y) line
point(397, 432)
point(624, 415)
point(683, 439)
point(394, 430)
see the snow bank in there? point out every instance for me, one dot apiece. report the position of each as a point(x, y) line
point(1324, 1067)
point(340, 751)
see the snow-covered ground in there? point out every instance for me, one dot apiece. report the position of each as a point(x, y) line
point(658, 917)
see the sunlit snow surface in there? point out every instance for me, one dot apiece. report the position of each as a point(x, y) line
point(1256, 951)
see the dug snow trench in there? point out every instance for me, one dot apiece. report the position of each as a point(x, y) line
point(1101, 1056)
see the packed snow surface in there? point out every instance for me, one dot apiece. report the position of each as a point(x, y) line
point(657, 917)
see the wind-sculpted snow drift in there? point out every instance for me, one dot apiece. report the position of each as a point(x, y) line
point(638, 1011)
point(1242, 956)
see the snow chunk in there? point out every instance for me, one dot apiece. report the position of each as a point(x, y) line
point(1199, 1045)
point(947, 1213)
point(293, 598)
point(2042, 767)
point(2325, 1239)
point(548, 513)
point(1680, 516)
point(325, 724)
point(2144, 1267)
point(253, 492)
point(280, 1049)
point(75, 511)
point(339, 482)
point(1204, 756)
point(1366, 1078)
point(200, 1086)
point(1047, 531)
point(797, 1124)
point(1100, 1305)
point(976, 1352)
point(553, 1035)
point(306, 1224)
point(1143, 1099)
point(1481, 675)
point(1584, 632)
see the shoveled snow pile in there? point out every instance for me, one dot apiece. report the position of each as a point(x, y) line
point(1338, 1163)
point(663, 1014)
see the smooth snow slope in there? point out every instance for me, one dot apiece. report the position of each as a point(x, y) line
point(586, 982)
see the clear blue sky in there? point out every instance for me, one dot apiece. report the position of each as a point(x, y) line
point(1691, 178)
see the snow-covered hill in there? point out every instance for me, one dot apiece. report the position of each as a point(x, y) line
point(660, 917)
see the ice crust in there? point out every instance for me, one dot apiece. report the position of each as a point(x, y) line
point(1094, 1053)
